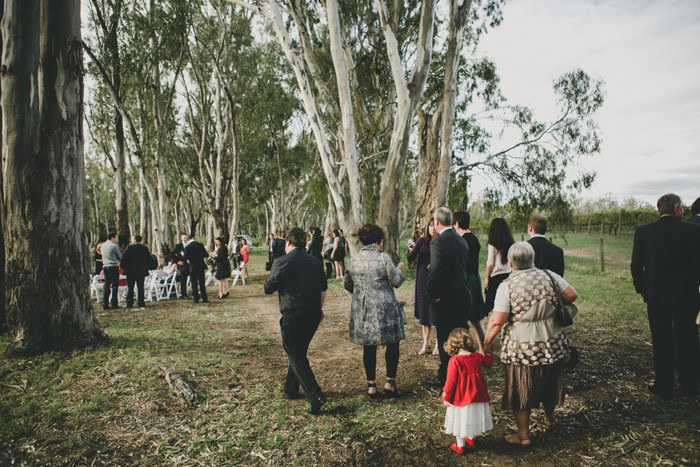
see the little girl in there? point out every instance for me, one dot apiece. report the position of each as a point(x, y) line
point(465, 394)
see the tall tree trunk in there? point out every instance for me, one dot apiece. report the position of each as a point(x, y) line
point(458, 20)
point(48, 304)
point(428, 159)
point(408, 93)
point(3, 319)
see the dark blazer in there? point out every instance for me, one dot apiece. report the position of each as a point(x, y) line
point(196, 254)
point(135, 260)
point(315, 247)
point(694, 219)
point(299, 278)
point(447, 277)
point(548, 255)
point(665, 258)
point(278, 246)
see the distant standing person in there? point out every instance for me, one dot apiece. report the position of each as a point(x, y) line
point(447, 285)
point(178, 258)
point(110, 260)
point(316, 244)
point(422, 308)
point(98, 258)
point(477, 311)
point(135, 262)
point(547, 254)
point(338, 254)
point(223, 267)
point(665, 270)
point(497, 268)
point(245, 258)
point(299, 280)
point(196, 254)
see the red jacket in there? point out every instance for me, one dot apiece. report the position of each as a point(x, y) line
point(465, 380)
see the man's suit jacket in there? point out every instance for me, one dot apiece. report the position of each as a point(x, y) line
point(299, 278)
point(548, 255)
point(278, 248)
point(195, 254)
point(135, 260)
point(665, 258)
point(447, 277)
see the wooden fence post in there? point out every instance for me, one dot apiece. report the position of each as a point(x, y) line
point(602, 254)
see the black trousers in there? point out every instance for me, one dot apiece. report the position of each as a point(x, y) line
point(391, 357)
point(443, 327)
point(298, 328)
point(111, 284)
point(669, 324)
point(198, 284)
point(132, 280)
point(184, 274)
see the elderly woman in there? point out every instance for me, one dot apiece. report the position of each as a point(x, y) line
point(375, 315)
point(534, 344)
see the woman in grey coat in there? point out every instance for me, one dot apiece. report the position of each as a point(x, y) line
point(375, 315)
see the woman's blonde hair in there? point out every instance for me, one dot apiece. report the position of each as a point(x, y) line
point(460, 338)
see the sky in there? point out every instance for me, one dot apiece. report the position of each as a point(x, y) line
point(648, 55)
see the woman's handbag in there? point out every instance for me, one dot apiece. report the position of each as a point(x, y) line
point(565, 311)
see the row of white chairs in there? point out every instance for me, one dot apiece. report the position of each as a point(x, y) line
point(159, 285)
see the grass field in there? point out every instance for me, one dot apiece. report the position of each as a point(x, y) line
point(110, 405)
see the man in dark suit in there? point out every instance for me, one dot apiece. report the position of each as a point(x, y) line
point(547, 254)
point(196, 255)
point(447, 284)
point(178, 257)
point(278, 246)
point(665, 271)
point(135, 261)
point(695, 212)
point(301, 284)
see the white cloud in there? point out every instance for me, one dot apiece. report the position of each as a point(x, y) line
point(646, 53)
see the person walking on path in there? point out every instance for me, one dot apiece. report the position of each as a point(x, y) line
point(447, 285)
point(465, 394)
point(666, 273)
point(477, 311)
point(497, 268)
point(299, 280)
point(422, 308)
point(547, 254)
point(376, 317)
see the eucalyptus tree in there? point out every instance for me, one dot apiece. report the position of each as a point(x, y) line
point(46, 271)
point(154, 49)
point(107, 15)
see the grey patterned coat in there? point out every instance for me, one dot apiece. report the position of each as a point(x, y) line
point(375, 315)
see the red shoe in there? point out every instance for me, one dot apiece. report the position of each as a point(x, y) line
point(457, 449)
point(471, 442)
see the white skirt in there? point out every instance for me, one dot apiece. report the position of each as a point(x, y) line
point(468, 420)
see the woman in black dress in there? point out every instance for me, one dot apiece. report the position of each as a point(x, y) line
point(338, 254)
point(223, 267)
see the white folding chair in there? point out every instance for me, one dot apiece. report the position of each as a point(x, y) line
point(237, 274)
point(97, 286)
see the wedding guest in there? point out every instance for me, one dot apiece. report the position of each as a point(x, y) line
point(422, 308)
point(375, 315)
point(497, 270)
point(223, 267)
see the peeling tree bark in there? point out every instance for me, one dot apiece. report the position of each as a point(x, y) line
point(408, 94)
point(48, 302)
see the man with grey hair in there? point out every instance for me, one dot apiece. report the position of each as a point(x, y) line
point(447, 284)
point(666, 273)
